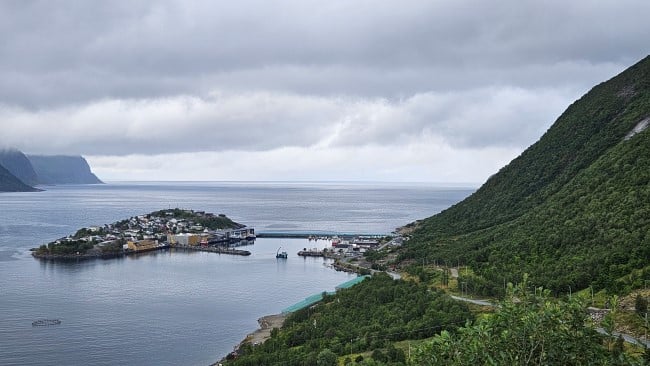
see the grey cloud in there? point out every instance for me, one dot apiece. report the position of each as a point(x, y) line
point(253, 121)
point(338, 89)
point(60, 52)
point(262, 121)
point(504, 117)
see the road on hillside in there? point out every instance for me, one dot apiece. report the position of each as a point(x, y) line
point(472, 301)
point(626, 337)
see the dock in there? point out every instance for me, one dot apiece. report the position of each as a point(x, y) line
point(311, 253)
point(218, 250)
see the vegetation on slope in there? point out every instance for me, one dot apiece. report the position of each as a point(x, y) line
point(527, 329)
point(571, 210)
point(210, 221)
point(365, 318)
point(590, 126)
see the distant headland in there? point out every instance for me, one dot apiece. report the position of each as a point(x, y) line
point(20, 172)
point(173, 228)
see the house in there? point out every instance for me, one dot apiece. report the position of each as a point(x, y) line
point(184, 239)
point(141, 245)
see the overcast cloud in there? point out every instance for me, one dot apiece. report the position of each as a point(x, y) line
point(443, 91)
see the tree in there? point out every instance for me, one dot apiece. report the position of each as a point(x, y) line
point(326, 358)
point(527, 329)
point(641, 305)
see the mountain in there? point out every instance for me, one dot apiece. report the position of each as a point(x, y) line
point(17, 163)
point(572, 210)
point(37, 169)
point(9, 183)
point(61, 169)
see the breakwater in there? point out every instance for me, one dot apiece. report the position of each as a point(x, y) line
point(319, 235)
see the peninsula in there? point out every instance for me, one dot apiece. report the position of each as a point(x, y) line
point(175, 228)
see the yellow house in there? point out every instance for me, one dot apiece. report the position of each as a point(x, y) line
point(142, 245)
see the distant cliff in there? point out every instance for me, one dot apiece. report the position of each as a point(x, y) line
point(9, 183)
point(60, 169)
point(17, 164)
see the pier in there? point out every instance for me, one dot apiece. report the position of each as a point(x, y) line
point(218, 250)
point(315, 235)
point(311, 253)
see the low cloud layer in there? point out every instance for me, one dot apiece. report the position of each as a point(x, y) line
point(267, 121)
point(337, 86)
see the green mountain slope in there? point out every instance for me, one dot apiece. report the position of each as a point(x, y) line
point(9, 183)
point(571, 210)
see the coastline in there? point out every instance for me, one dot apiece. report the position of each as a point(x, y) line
point(71, 257)
point(266, 325)
point(100, 255)
point(268, 322)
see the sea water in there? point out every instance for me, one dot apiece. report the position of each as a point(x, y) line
point(177, 308)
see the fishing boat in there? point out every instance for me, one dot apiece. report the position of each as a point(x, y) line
point(281, 255)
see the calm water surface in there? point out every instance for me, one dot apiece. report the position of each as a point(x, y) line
point(176, 308)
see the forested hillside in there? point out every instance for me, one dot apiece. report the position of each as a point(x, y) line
point(368, 317)
point(572, 210)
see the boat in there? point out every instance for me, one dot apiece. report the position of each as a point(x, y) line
point(281, 255)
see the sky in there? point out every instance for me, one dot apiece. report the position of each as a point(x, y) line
point(338, 90)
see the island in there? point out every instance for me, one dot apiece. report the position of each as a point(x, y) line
point(173, 228)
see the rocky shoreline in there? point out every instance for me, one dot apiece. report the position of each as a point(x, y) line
point(267, 323)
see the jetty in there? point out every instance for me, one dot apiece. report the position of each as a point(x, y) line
point(317, 235)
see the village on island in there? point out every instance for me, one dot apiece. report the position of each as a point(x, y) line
point(178, 228)
point(194, 230)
